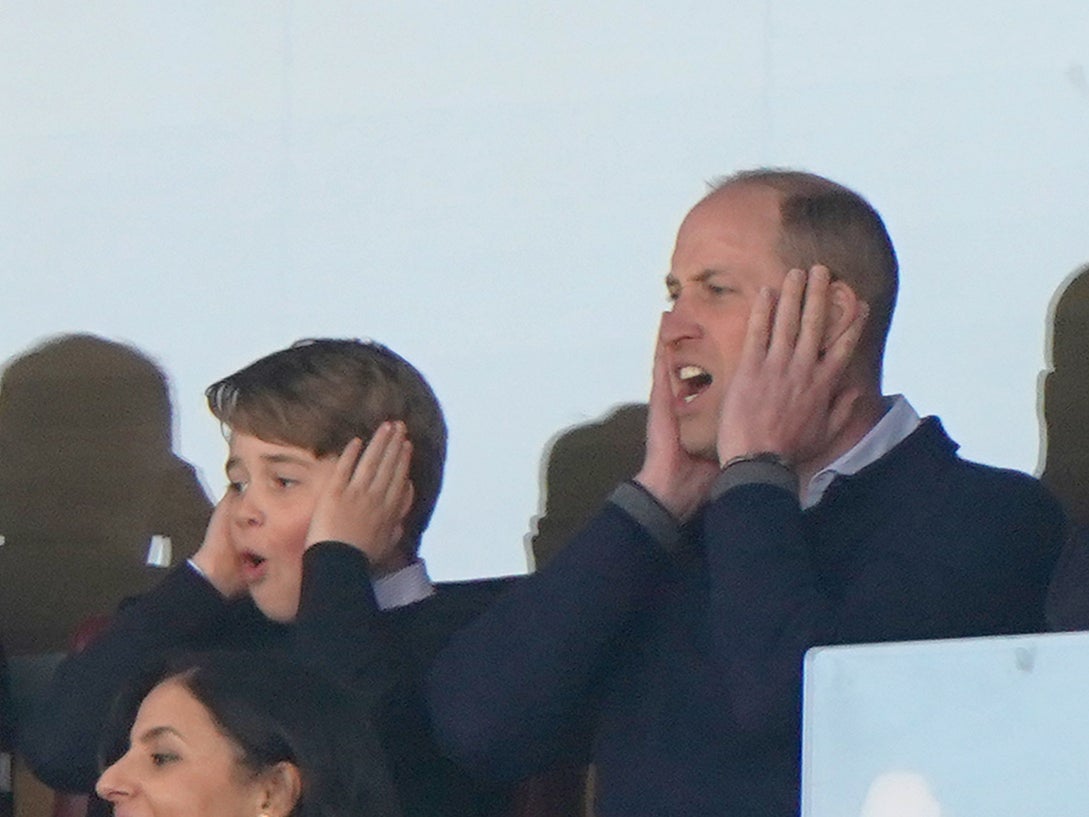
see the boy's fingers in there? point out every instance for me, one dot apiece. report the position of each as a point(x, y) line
point(380, 456)
point(347, 460)
point(399, 475)
point(365, 467)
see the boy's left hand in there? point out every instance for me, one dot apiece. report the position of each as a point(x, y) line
point(367, 497)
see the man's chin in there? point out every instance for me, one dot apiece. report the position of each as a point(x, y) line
point(700, 448)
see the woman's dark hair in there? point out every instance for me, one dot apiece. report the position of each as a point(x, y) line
point(274, 710)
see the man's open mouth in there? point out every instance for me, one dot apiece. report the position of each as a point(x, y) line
point(693, 381)
point(252, 560)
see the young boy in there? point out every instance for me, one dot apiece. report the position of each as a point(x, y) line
point(312, 550)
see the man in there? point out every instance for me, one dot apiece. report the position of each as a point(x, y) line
point(783, 502)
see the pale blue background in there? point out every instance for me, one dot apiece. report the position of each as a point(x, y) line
point(996, 726)
point(493, 188)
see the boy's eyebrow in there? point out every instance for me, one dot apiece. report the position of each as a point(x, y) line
point(275, 459)
point(290, 459)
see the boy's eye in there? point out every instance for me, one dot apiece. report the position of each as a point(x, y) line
point(236, 487)
point(162, 758)
point(286, 482)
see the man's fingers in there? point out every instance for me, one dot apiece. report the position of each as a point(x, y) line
point(757, 332)
point(842, 348)
point(788, 314)
point(661, 393)
point(814, 315)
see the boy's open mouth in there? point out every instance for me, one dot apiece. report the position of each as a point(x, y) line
point(693, 381)
point(251, 560)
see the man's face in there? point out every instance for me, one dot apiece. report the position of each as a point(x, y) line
point(274, 489)
point(726, 252)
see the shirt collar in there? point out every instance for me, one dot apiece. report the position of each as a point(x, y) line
point(403, 587)
point(898, 422)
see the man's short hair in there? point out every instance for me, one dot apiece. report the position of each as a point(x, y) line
point(318, 394)
point(822, 222)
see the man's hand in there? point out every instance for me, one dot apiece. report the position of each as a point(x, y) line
point(787, 395)
point(367, 497)
point(674, 477)
point(217, 559)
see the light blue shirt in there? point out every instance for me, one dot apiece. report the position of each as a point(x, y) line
point(398, 589)
point(899, 421)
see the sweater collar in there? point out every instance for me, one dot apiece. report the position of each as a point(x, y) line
point(895, 426)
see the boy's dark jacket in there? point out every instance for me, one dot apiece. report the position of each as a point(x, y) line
point(384, 655)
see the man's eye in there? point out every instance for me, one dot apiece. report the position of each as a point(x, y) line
point(286, 482)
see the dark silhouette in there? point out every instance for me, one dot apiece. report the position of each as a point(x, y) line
point(585, 463)
point(1066, 399)
point(87, 478)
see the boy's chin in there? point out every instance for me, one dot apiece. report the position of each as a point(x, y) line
point(278, 609)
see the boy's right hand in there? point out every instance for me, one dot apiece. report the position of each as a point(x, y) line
point(217, 559)
point(365, 501)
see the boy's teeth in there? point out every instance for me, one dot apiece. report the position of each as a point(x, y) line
point(690, 398)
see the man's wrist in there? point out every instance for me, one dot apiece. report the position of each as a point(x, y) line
point(755, 470)
point(772, 457)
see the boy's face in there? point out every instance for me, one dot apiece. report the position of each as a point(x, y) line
point(274, 489)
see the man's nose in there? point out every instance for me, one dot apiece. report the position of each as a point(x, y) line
point(679, 323)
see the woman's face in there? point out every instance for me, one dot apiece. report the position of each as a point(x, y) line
point(179, 764)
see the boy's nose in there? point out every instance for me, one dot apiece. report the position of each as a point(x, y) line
point(247, 510)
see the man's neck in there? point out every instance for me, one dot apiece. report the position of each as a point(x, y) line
point(866, 412)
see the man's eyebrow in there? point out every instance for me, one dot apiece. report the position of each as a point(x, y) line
point(701, 276)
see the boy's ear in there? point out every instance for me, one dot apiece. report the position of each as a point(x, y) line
point(843, 306)
point(281, 788)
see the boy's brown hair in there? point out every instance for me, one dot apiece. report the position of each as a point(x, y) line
point(320, 393)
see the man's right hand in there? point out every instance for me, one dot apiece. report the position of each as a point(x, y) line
point(677, 479)
point(217, 559)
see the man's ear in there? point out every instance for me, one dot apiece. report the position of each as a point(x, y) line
point(281, 787)
point(843, 307)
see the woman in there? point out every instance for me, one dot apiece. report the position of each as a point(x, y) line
point(242, 735)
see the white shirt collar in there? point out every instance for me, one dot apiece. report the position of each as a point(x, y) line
point(899, 421)
point(403, 587)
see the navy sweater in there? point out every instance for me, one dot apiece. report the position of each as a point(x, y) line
point(339, 631)
point(686, 661)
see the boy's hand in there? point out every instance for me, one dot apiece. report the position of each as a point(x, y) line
point(674, 477)
point(367, 497)
point(217, 558)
